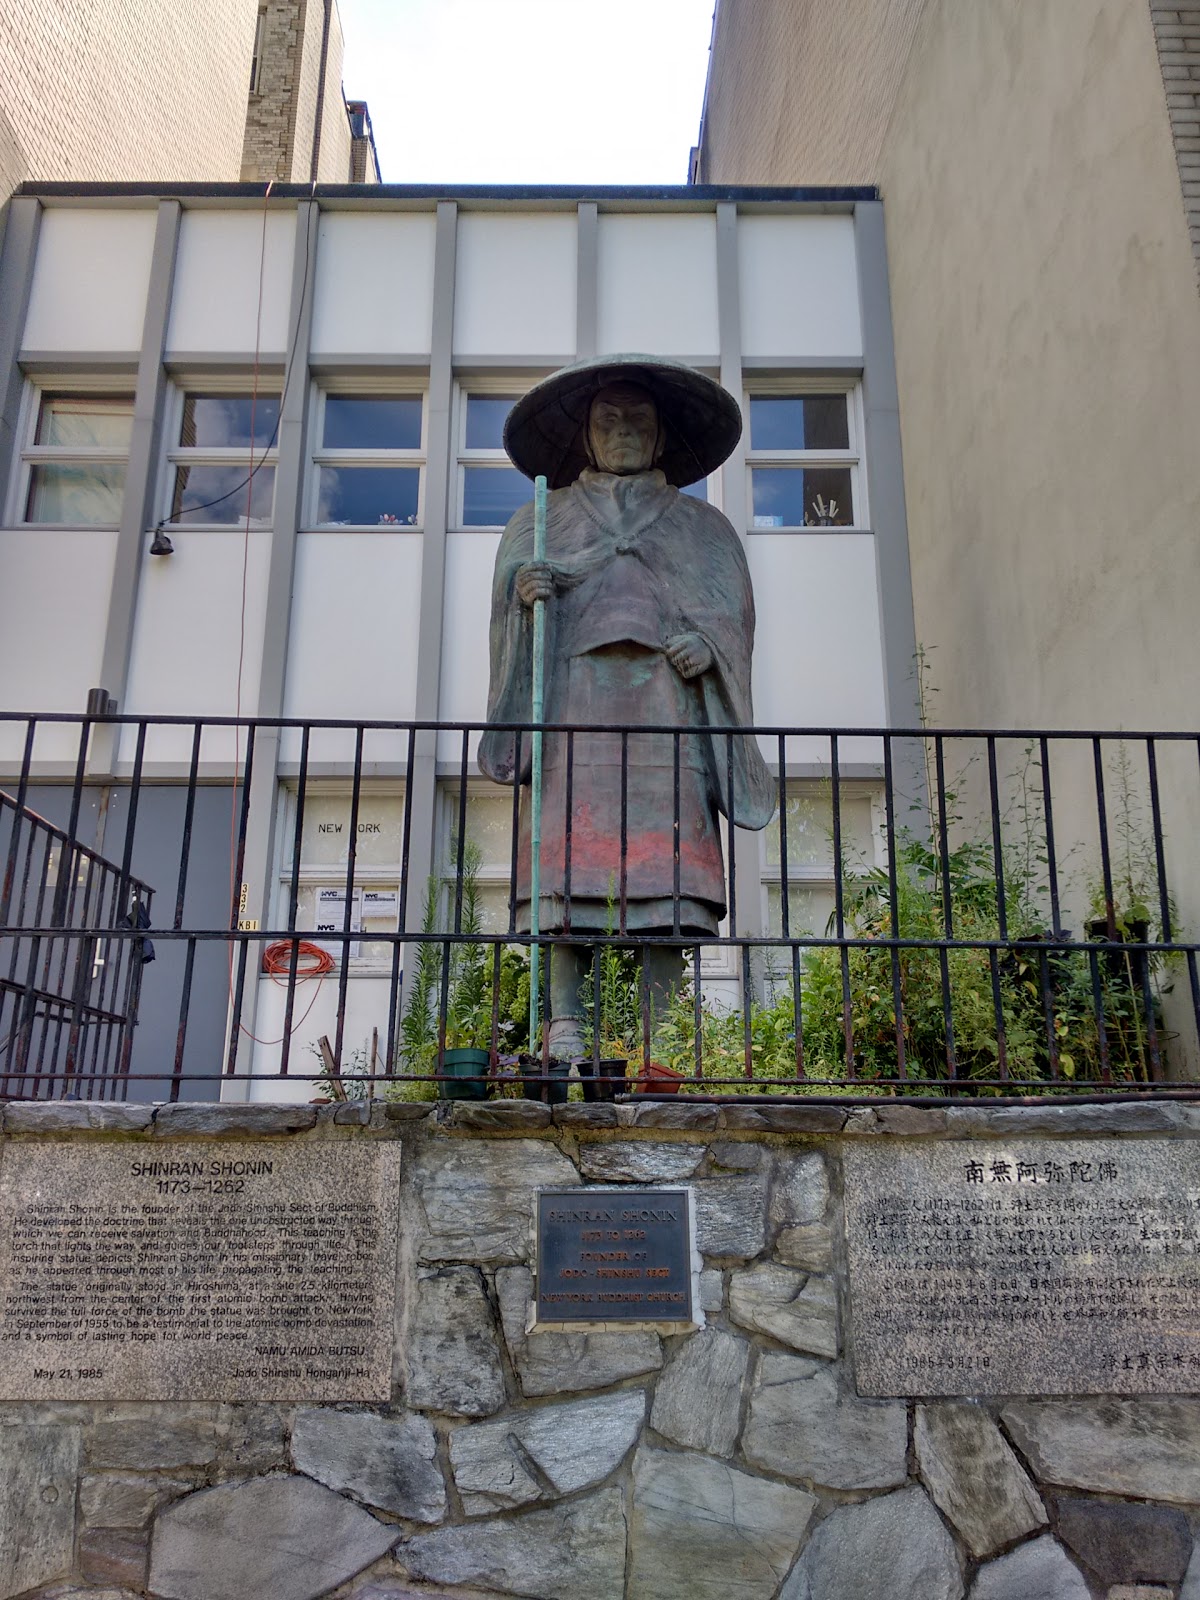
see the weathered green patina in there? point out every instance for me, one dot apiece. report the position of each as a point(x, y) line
point(649, 622)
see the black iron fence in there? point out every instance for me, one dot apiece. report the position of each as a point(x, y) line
point(927, 913)
point(71, 962)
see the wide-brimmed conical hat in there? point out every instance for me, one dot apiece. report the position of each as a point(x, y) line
point(545, 429)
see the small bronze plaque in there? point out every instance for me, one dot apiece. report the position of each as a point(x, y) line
point(614, 1255)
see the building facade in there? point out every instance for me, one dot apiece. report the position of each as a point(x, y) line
point(360, 350)
point(114, 90)
point(1038, 164)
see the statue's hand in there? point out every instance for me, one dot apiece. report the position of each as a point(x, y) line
point(535, 581)
point(689, 654)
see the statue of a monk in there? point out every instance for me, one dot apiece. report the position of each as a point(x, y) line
point(649, 620)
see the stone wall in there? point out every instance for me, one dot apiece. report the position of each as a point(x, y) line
point(736, 1461)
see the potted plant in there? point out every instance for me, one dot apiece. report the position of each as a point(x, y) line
point(462, 1053)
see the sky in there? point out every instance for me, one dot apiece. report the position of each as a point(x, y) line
point(529, 91)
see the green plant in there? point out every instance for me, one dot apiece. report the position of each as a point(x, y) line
point(460, 970)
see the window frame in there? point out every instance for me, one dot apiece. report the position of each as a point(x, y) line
point(818, 874)
point(174, 455)
point(491, 386)
point(777, 385)
point(31, 455)
point(315, 874)
point(363, 387)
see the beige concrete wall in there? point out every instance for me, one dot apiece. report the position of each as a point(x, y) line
point(1048, 356)
point(333, 164)
point(800, 90)
point(110, 90)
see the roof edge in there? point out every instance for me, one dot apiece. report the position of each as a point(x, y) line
point(815, 194)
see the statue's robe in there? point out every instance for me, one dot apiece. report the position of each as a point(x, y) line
point(636, 564)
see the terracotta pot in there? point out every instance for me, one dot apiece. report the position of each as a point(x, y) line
point(658, 1079)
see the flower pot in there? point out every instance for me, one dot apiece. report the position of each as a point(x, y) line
point(602, 1079)
point(460, 1067)
point(658, 1079)
point(554, 1091)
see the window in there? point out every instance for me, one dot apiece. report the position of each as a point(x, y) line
point(490, 487)
point(321, 883)
point(804, 459)
point(368, 460)
point(73, 469)
point(256, 63)
point(490, 826)
point(222, 464)
point(808, 824)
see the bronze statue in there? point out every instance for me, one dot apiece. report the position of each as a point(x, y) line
point(649, 620)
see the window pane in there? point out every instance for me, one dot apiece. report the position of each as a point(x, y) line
point(85, 422)
point(372, 422)
point(218, 421)
point(218, 495)
point(698, 491)
point(486, 415)
point(802, 497)
point(80, 496)
point(368, 496)
point(810, 831)
point(326, 838)
point(809, 911)
point(492, 494)
point(799, 422)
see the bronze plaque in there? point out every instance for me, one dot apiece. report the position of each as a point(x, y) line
point(216, 1270)
point(614, 1255)
point(1032, 1267)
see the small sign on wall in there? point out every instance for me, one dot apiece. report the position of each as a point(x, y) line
point(623, 1256)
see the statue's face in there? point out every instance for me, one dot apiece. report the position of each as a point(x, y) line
point(623, 429)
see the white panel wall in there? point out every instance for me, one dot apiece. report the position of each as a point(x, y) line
point(313, 1014)
point(53, 604)
point(818, 656)
point(355, 609)
point(90, 280)
point(658, 284)
point(186, 636)
point(798, 285)
point(470, 558)
point(515, 288)
point(215, 304)
point(374, 283)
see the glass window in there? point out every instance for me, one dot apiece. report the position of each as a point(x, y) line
point(486, 416)
point(372, 422)
point(803, 460)
point(802, 497)
point(223, 459)
point(799, 422)
point(490, 487)
point(229, 421)
point(698, 491)
point(807, 824)
point(76, 461)
point(492, 494)
point(367, 467)
point(321, 888)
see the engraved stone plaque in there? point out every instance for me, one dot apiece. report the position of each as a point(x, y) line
point(614, 1255)
point(230, 1270)
point(1034, 1267)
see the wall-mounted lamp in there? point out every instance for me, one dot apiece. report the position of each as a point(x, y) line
point(160, 545)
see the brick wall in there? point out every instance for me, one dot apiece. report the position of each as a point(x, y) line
point(1177, 31)
point(802, 93)
point(112, 90)
point(281, 113)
